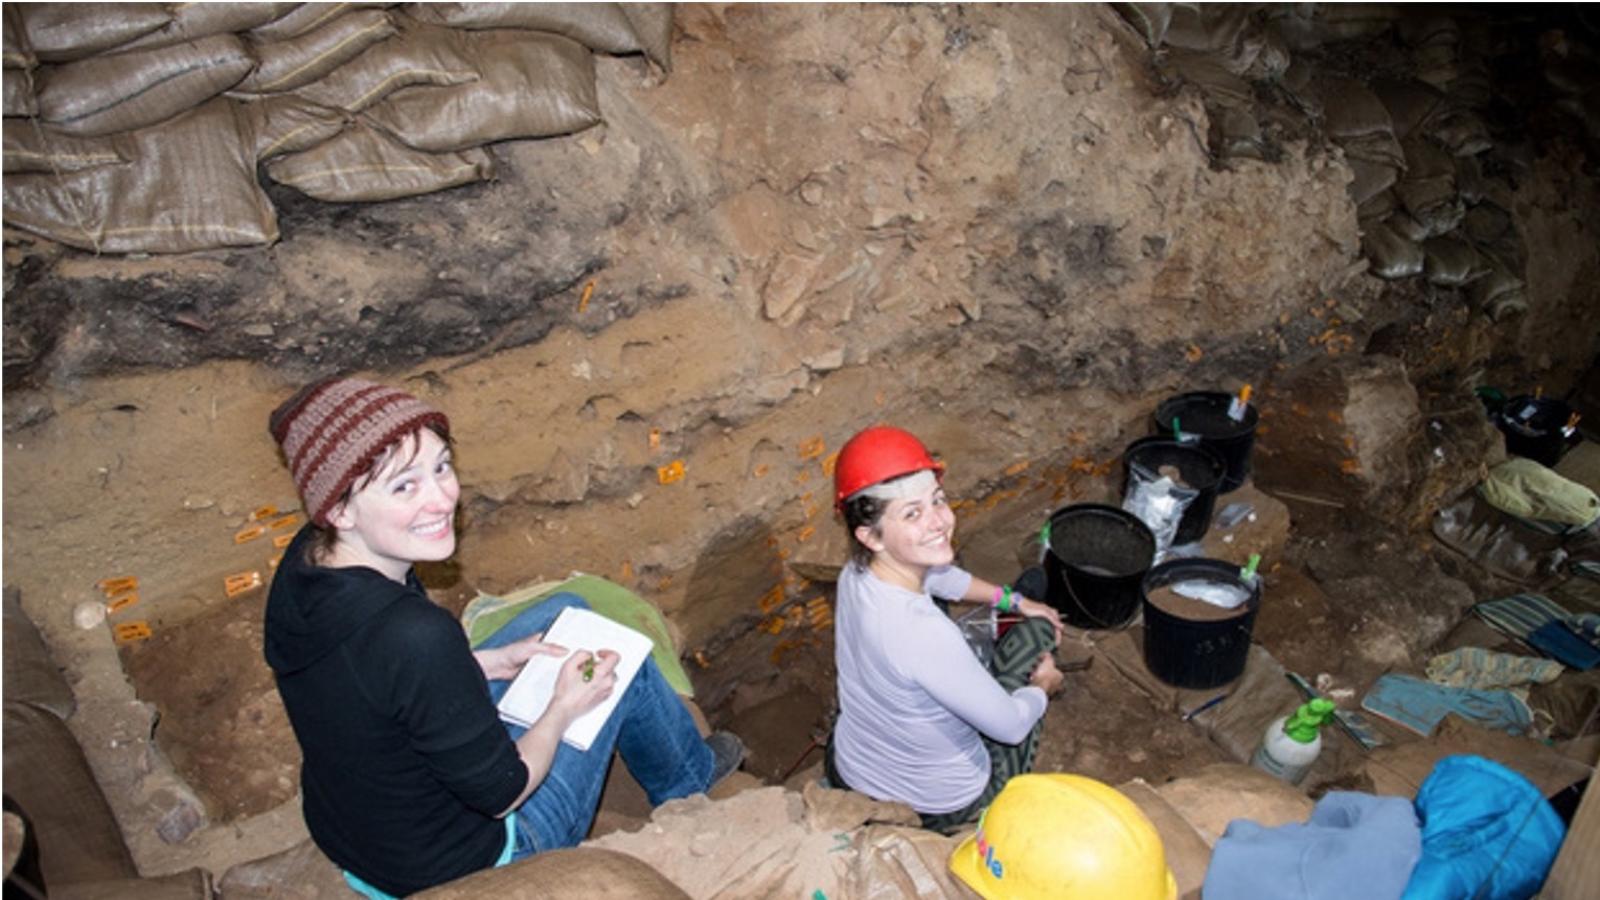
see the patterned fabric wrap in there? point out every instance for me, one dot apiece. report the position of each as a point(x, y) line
point(332, 431)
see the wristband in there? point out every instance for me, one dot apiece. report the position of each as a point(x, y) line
point(998, 596)
point(1006, 602)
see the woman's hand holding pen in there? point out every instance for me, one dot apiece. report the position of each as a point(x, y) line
point(586, 679)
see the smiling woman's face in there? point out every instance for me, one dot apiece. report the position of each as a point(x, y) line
point(914, 532)
point(405, 514)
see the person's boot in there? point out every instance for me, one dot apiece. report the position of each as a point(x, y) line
point(727, 752)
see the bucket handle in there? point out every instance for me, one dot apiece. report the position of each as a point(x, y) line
point(1091, 616)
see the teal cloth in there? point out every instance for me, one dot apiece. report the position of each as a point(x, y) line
point(1421, 705)
point(486, 614)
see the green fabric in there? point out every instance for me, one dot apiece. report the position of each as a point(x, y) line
point(487, 614)
point(1529, 490)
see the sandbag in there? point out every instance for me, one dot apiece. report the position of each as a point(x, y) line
point(1351, 110)
point(48, 777)
point(30, 676)
point(1408, 227)
point(288, 64)
point(58, 32)
point(190, 884)
point(1220, 85)
point(1425, 159)
point(1377, 207)
point(31, 148)
point(127, 91)
point(1376, 147)
point(1221, 792)
point(1410, 103)
point(19, 96)
point(287, 124)
point(598, 26)
point(577, 873)
point(1500, 293)
point(363, 164)
point(1371, 179)
point(1487, 223)
point(419, 54)
point(531, 85)
point(1392, 256)
point(312, 875)
point(1450, 262)
point(193, 21)
point(14, 52)
point(1208, 28)
point(1470, 181)
point(652, 25)
point(1461, 132)
point(191, 186)
point(304, 18)
point(1433, 202)
point(1151, 20)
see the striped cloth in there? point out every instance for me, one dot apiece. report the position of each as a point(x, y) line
point(1475, 667)
point(1519, 615)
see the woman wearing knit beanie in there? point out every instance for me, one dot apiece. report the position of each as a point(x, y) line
point(409, 777)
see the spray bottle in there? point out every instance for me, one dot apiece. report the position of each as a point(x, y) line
point(1292, 743)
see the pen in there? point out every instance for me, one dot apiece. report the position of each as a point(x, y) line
point(1204, 706)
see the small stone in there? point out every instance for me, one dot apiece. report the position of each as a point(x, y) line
point(259, 329)
point(88, 614)
point(183, 818)
point(634, 500)
point(198, 501)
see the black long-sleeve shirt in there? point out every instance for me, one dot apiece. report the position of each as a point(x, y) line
point(406, 763)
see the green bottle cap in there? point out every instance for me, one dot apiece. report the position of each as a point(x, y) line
point(1303, 725)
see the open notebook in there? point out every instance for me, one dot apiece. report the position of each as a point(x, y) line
point(575, 629)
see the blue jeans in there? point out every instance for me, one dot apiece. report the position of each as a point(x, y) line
point(651, 728)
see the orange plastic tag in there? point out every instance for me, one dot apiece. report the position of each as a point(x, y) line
point(828, 464)
point(771, 599)
point(806, 533)
point(128, 632)
point(670, 472)
point(123, 602)
point(627, 570)
point(812, 447)
point(237, 584)
point(760, 471)
point(263, 512)
point(249, 534)
point(773, 625)
point(114, 586)
point(701, 659)
point(282, 541)
point(283, 522)
point(588, 291)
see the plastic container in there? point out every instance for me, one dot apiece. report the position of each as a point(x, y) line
point(1200, 467)
point(1291, 743)
point(1533, 428)
point(1203, 417)
point(1188, 651)
point(1094, 563)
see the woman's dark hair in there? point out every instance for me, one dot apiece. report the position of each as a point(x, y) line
point(326, 535)
point(863, 510)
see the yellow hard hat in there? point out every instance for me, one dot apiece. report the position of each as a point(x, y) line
point(1068, 836)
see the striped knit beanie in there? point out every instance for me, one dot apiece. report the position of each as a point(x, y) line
point(333, 430)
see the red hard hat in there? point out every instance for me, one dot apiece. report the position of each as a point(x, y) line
point(878, 454)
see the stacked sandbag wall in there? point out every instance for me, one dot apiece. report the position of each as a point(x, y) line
point(1405, 93)
point(139, 127)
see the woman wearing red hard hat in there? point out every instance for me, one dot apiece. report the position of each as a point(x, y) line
point(921, 720)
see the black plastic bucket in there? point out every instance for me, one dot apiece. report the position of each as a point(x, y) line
point(1532, 426)
point(1095, 563)
point(1203, 416)
point(1192, 652)
point(1200, 467)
